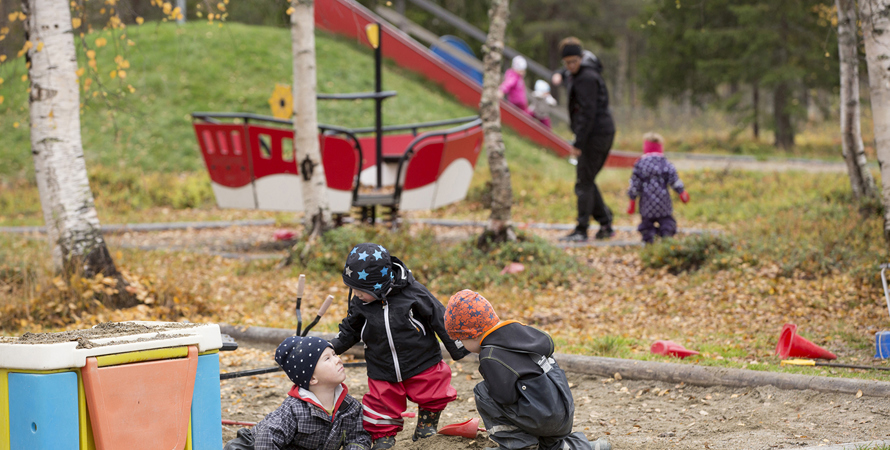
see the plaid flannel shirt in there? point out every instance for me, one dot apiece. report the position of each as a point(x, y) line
point(301, 424)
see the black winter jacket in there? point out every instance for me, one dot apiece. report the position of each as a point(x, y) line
point(589, 105)
point(504, 359)
point(400, 331)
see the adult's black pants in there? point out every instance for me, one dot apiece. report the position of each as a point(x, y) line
point(590, 201)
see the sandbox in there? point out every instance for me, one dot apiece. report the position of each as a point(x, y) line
point(134, 385)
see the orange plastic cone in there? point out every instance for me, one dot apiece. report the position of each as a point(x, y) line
point(671, 348)
point(466, 429)
point(793, 346)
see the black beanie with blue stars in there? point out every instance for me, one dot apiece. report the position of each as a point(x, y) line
point(298, 357)
point(369, 268)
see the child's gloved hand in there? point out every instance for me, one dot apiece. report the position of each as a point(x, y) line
point(632, 207)
point(685, 196)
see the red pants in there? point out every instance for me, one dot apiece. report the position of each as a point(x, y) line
point(385, 402)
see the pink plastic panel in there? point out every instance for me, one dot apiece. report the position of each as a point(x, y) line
point(142, 405)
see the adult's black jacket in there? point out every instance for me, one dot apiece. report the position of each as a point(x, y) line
point(589, 105)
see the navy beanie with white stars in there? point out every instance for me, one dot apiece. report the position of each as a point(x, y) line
point(369, 268)
point(298, 357)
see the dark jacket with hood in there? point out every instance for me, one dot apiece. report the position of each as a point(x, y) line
point(588, 102)
point(508, 357)
point(399, 328)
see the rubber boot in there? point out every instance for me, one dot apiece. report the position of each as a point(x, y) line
point(427, 424)
point(384, 443)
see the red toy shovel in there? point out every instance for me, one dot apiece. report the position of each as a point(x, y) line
point(792, 345)
point(466, 429)
point(671, 348)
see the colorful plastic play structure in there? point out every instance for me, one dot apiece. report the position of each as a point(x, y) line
point(252, 163)
point(151, 390)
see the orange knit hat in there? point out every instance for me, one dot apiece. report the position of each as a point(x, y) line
point(469, 315)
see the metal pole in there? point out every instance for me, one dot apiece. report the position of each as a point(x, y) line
point(378, 105)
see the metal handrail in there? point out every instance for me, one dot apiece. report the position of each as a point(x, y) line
point(207, 116)
point(357, 96)
point(416, 126)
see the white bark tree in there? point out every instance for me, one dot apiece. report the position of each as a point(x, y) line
point(861, 180)
point(500, 226)
point(68, 207)
point(308, 155)
point(874, 16)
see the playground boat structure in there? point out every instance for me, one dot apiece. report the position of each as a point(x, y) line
point(252, 161)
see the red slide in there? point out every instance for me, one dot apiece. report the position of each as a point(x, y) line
point(348, 18)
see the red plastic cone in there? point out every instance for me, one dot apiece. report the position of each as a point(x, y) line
point(466, 429)
point(793, 346)
point(671, 348)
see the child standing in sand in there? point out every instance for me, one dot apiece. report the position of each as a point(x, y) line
point(398, 320)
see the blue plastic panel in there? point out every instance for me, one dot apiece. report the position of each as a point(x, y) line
point(43, 411)
point(206, 408)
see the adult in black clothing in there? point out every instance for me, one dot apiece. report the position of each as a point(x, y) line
point(594, 129)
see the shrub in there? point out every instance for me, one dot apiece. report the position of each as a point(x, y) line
point(685, 254)
point(447, 268)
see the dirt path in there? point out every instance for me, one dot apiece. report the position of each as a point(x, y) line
point(632, 414)
point(720, 162)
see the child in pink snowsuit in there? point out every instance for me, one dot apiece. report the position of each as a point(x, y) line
point(513, 86)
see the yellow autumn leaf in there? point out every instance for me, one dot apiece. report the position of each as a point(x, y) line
point(2, 58)
point(92, 64)
point(80, 72)
point(22, 16)
point(122, 74)
point(220, 6)
point(132, 90)
point(39, 47)
point(91, 54)
point(15, 125)
point(130, 43)
point(113, 74)
point(87, 83)
point(101, 42)
point(24, 78)
point(1, 99)
point(12, 16)
point(140, 20)
point(1, 80)
point(290, 10)
point(4, 30)
point(75, 22)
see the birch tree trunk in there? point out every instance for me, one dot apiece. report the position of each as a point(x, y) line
point(315, 198)
point(499, 227)
point(874, 16)
point(68, 206)
point(861, 181)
